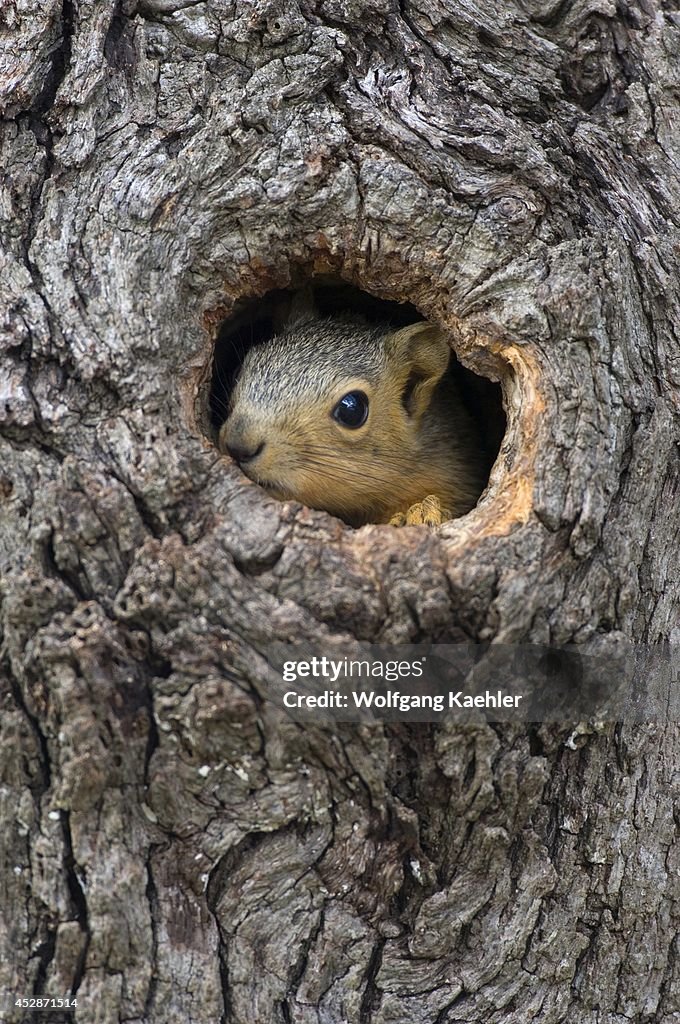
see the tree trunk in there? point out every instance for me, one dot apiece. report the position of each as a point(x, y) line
point(176, 848)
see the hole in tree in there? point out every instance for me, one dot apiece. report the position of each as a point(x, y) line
point(324, 370)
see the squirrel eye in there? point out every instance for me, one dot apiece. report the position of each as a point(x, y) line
point(352, 409)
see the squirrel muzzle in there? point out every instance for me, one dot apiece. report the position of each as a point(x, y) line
point(242, 440)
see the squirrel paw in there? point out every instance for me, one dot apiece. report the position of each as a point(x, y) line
point(428, 512)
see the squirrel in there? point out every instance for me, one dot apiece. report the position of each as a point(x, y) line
point(362, 420)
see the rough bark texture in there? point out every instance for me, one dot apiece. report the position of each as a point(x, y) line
point(175, 850)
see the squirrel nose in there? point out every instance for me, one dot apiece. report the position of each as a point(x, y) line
point(242, 439)
point(242, 452)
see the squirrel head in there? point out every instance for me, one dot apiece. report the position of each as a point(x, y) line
point(329, 412)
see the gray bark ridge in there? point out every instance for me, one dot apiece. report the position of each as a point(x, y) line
point(174, 848)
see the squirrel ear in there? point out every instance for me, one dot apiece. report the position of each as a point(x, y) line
point(423, 353)
point(302, 307)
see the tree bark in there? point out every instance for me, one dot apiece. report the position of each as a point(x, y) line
point(175, 848)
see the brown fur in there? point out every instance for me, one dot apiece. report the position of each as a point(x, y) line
point(284, 397)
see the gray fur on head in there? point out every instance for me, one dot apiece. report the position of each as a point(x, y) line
point(308, 359)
